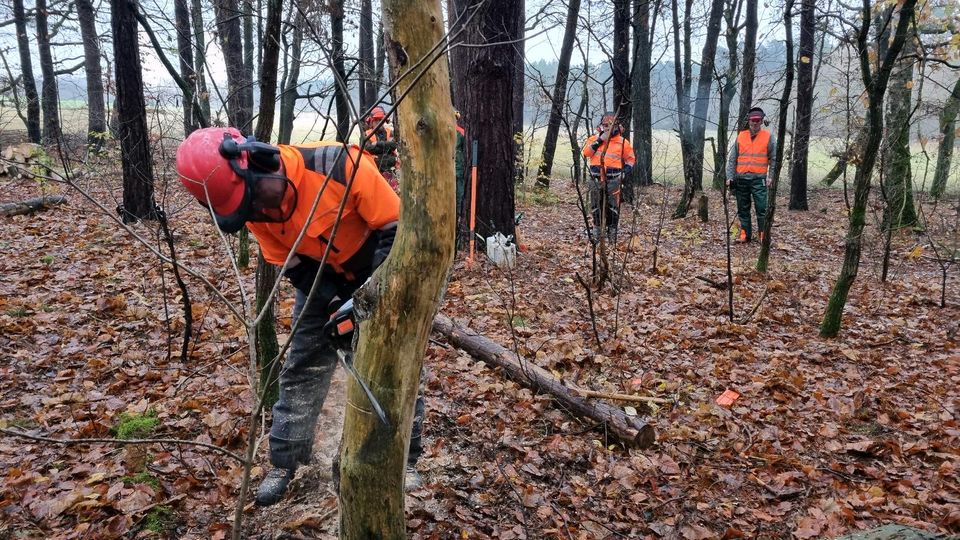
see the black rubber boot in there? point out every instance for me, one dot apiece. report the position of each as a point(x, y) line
point(273, 487)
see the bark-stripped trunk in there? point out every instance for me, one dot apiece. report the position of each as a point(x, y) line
point(411, 281)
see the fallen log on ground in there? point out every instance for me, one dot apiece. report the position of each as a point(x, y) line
point(628, 429)
point(30, 205)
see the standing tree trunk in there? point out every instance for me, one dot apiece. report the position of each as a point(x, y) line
point(682, 81)
point(640, 95)
point(181, 14)
point(801, 138)
point(26, 73)
point(340, 92)
point(138, 201)
point(897, 185)
point(288, 100)
point(749, 64)
point(727, 92)
point(248, 58)
point(876, 85)
point(486, 90)
point(96, 111)
point(368, 96)
point(231, 43)
point(558, 102)
point(621, 64)
point(411, 280)
point(698, 126)
point(763, 260)
point(203, 95)
point(49, 100)
point(519, 85)
point(948, 134)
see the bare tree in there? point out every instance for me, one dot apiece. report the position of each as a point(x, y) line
point(801, 138)
point(49, 99)
point(96, 111)
point(749, 63)
point(640, 93)
point(239, 112)
point(340, 92)
point(368, 96)
point(32, 119)
point(138, 201)
point(948, 134)
point(876, 86)
point(181, 15)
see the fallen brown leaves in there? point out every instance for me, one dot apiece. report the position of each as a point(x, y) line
point(827, 436)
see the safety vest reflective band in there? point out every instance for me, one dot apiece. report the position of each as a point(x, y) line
point(752, 152)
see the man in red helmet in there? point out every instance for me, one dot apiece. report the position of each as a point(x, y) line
point(611, 157)
point(382, 145)
point(752, 155)
point(277, 192)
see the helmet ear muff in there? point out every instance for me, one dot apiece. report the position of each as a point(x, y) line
point(261, 156)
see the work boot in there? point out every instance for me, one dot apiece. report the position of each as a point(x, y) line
point(743, 238)
point(273, 487)
point(411, 479)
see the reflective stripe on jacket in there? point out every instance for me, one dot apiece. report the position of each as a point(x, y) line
point(752, 155)
point(616, 152)
point(323, 170)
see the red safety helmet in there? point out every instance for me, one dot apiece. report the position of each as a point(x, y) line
point(376, 114)
point(232, 175)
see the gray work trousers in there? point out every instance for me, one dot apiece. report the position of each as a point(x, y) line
point(305, 380)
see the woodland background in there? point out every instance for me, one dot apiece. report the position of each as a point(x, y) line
point(128, 386)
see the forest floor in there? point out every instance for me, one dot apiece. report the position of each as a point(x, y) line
point(829, 436)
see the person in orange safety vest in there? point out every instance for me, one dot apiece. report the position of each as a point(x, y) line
point(752, 155)
point(381, 144)
point(271, 190)
point(611, 157)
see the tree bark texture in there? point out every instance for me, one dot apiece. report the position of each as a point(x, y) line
point(288, 99)
point(694, 176)
point(727, 92)
point(640, 95)
point(558, 103)
point(751, 25)
point(135, 155)
point(763, 259)
point(519, 86)
point(397, 308)
point(96, 110)
point(629, 430)
point(897, 179)
point(26, 73)
point(340, 93)
point(368, 96)
point(49, 99)
point(268, 71)
point(248, 47)
point(203, 94)
point(621, 63)
point(29, 206)
point(181, 16)
point(801, 137)
point(486, 87)
point(876, 85)
point(239, 113)
point(948, 134)
point(268, 348)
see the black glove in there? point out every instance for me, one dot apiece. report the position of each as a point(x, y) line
point(304, 274)
point(384, 244)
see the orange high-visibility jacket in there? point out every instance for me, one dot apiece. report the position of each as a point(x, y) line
point(752, 152)
point(615, 153)
point(325, 169)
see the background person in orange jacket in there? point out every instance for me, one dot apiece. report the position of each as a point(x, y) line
point(271, 190)
point(383, 146)
point(611, 157)
point(752, 155)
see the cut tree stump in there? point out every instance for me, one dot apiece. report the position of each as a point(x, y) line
point(628, 429)
point(30, 205)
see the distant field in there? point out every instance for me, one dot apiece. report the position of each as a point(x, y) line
point(667, 168)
